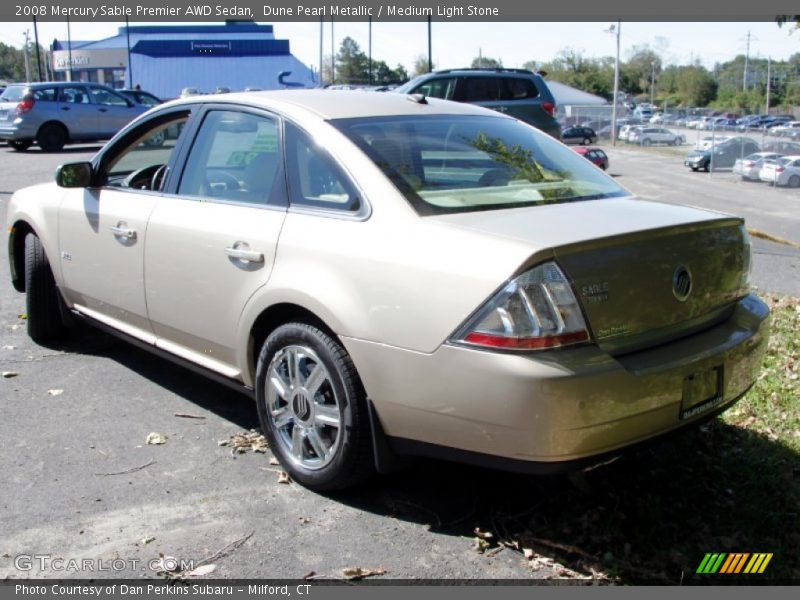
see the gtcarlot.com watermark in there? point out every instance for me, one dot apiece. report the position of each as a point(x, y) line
point(57, 564)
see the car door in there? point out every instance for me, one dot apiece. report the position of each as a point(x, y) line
point(77, 111)
point(113, 111)
point(212, 243)
point(102, 229)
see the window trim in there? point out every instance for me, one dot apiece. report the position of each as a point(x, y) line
point(365, 210)
point(122, 141)
point(280, 193)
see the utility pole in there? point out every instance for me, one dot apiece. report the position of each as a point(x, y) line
point(333, 56)
point(616, 87)
point(321, 28)
point(69, 51)
point(430, 53)
point(27, 58)
point(746, 62)
point(370, 51)
point(769, 80)
point(653, 83)
point(38, 57)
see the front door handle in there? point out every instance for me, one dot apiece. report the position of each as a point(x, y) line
point(123, 232)
point(244, 254)
point(103, 109)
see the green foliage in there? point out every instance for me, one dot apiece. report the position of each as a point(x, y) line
point(352, 67)
point(486, 62)
point(593, 75)
point(12, 62)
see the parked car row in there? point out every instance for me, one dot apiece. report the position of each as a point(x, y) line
point(720, 155)
point(645, 135)
point(770, 167)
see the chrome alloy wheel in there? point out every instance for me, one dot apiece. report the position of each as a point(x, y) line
point(303, 407)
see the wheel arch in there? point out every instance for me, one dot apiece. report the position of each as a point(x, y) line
point(16, 252)
point(270, 319)
point(55, 122)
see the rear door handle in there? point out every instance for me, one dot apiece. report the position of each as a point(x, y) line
point(65, 108)
point(124, 232)
point(244, 254)
point(103, 109)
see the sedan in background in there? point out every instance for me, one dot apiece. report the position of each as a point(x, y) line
point(781, 171)
point(578, 135)
point(390, 275)
point(750, 166)
point(647, 136)
point(142, 97)
point(594, 155)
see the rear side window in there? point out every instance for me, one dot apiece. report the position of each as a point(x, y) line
point(44, 94)
point(517, 88)
point(315, 180)
point(478, 89)
point(75, 95)
point(13, 93)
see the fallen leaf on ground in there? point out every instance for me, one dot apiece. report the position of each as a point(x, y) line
point(304, 520)
point(355, 573)
point(274, 461)
point(156, 439)
point(283, 477)
point(240, 443)
point(201, 571)
point(23, 316)
point(484, 535)
point(9, 374)
point(8, 347)
point(527, 553)
point(148, 538)
point(55, 392)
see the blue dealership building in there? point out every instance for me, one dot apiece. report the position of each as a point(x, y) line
point(166, 59)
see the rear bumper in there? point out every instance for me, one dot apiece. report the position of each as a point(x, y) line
point(16, 132)
point(557, 406)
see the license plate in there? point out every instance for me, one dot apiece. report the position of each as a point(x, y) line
point(4, 115)
point(702, 391)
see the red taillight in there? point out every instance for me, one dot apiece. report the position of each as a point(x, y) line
point(526, 343)
point(549, 108)
point(25, 105)
point(748, 163)
point(780, 169)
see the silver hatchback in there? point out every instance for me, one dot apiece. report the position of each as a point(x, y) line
point(53, 114)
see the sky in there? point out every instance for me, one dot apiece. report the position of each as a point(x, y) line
point(455, 44)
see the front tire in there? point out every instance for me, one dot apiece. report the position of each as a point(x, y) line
point(313, 408)
point(42, 299)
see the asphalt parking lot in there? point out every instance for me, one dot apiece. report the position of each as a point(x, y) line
point(80, 481)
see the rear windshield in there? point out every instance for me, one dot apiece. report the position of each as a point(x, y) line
point(459, 163)
point(14, 93)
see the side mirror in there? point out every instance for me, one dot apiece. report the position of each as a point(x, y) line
point(75, 175)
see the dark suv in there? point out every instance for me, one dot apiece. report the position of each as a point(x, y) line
point(516, 92)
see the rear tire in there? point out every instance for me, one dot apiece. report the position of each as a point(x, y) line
point(794, 181)
point(646, 142)
point(586, 141)
point(313, 408)
point(42, 298)
point(52, 137)
point(20, 145)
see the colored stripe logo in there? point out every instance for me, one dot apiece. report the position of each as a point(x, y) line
point(737, 562)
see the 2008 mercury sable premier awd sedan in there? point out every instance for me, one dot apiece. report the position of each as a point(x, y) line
point(390, 275)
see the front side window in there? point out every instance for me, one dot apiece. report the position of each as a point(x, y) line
point(441, 87)
point(142, 164)
point(107, 97)
point(235, 157)
point(457, 163)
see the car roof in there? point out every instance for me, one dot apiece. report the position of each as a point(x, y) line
point(344, 104)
